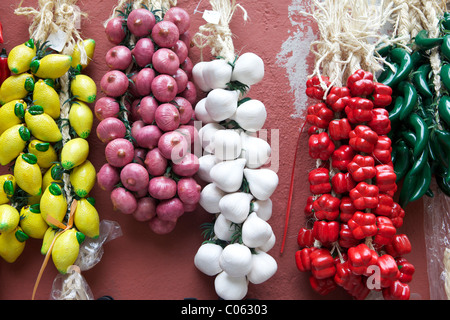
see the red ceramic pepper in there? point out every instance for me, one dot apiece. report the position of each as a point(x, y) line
point(326, 207)
point(386, 231)
point(342, 182)
point(397, 215)
point(305, 238)
point(346, 238)
point(344, 277)
point(319, 115)
point(360, 258)
point(383, 150)
point(388, 270)
point(359, 110)
point(363, 225)
point(322, 264)
point(385, 178)
point(361, 83)
point(319, 181)
point(303, 260)
point(380, 122)
point(364, 196)
point(339, 129)
point(320, 146)
point(362, 168)
point(397, 291)
point(382, 95)
point(406, 269)
point(314, 87)
point(4, 69)
point(347, 209)
point(399, 246)
point(342, 156)
point(385, 206)
point(313, 130)
point(363, 139)
point(322, 286)
point(326, 231)
point(337, 98)
point(309, 206)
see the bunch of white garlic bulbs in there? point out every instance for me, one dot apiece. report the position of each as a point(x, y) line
point(239, 187)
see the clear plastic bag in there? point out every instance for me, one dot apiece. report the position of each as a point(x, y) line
point(437, 238)
point(71, 286)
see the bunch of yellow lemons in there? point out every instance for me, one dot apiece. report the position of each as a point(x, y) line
point(33, 198)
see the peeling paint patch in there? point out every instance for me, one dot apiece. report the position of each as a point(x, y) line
point(294, 53)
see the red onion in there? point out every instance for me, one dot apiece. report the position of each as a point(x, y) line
point(186, 38)
point(155, 163)
point(187, 66)
point(143, 52)
point(108, 177)
point(179, 17)
point(110, 128)
point(188, 190)
point(136, 126)
point(181, 79)
point(185, 109)
point(164, 88)
point(181, 50)
point(190, 133)
point(119, 152)
point(144, 80)
point(141, 194)
point(106, 107)
point(190, 93)
point(190, 207)
point(135, 114)
point(167, 117)
point(114, 30)
point(170, 210)
point(162, 188)
point(146, 209)
point(140, 22)
point(139, 155)
point(134, 177)
point(118, 57)
point(148, 108)
point(165, 61)
point(173, 145)
point(114, 83)
point(123, 200)
point(165, 34)
point(161, 227)
point(148, 136)
point(186, 167)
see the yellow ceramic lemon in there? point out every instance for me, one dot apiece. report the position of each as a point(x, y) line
point(83, 178)
point(74, 153)
point(44, 152)
point(12, 244)
point(12, 143)
point(32, 222)
point(49, 176)
point(45, 95)
point(89, 47)
point(86, 219)
point(52, 66)
point(66, 248)
point(83, 88)
point(49, 235)
point(20, 57)
point(53, 203)
point(41, 125)
point(7, 187)
point(11, 113)
point(28, 174)
point(16, 87)
point(81, 119)
point(9, 218)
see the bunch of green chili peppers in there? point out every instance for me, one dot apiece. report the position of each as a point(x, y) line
point(420, 118)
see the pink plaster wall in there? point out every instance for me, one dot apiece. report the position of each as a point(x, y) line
point(141, 265)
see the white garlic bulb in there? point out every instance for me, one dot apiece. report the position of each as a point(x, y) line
point(264, 267)
point(236, 260)
point(207, 258)
point(221, 104)
point(248, 69)
point(236, 206)
point(230, 288)
point(210, 197)
point(228, 175)
point(262, 182)
point(255, 231)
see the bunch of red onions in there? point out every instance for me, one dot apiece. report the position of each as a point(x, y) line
point(146, 117)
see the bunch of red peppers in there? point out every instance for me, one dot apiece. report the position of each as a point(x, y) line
point(4, 70)
point(353, 241)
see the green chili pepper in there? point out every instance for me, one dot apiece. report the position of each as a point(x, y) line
point(388, 74)
point(384, 51)
point(394, 114)
point(410, 99)
point(445, 21)
point(443, 184)
point(438, 152)
point(409, 182)
point(420, 127)
point(445, 47)
point(405, 63)
point(445, 75)
point(402, 162)
point(423, 41)
point(409, 137)
point(443, 138)
point(444, 109)
point(417, 59)
point(423, 183)
point(420, 80)
point(420, 162)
